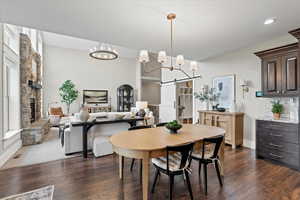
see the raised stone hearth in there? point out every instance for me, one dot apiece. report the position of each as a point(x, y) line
point(33, 126)
point(35, 133)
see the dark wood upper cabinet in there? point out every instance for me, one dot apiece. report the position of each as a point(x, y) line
point(280, 71)
point(290, 69)
point(271, 70)
point(295, 33)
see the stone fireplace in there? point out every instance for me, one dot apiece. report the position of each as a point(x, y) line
point(30, 76)
point(34, 127)
point(32, 110)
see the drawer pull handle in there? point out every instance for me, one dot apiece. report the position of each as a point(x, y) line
point(275, 145)
point(275, 135)
point(274, 155)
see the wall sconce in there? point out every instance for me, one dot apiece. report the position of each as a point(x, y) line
point(245, 87)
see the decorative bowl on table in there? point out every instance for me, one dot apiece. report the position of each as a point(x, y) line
point(173, 126)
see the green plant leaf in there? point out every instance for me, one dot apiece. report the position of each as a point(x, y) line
point(277, 107)
point(68, 92)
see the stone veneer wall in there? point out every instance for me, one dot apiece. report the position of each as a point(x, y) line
point(27, 56)
point(35, 134)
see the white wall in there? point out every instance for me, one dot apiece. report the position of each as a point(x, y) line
point(150, 92)
point(1, 91)
point(245, 65)
point(62, 64)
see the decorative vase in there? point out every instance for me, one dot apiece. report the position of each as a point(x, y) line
point(276, 116)
point(207, 105)
point(173, 131)
point(210, 105)
point(84, 115)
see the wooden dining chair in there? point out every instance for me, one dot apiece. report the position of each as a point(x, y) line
point(175, 163)
point(209, 155)
point(136, 128)
point(161, 124)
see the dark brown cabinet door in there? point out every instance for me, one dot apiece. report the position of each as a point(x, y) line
point(272, 76)
point(290, 74)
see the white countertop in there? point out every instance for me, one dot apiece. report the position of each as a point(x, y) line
point(284, 120)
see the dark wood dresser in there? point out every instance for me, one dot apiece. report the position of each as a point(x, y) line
point(278, 142)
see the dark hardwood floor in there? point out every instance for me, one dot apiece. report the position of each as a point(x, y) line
point(245, 178)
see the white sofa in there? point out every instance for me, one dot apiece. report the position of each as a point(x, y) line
point(98, 136)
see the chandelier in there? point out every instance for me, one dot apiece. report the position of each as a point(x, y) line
point(104, 52)
point(162, 56)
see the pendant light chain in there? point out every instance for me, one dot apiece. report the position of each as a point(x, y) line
point(171, 43)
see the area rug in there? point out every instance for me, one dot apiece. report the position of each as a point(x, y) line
point(44, 193)
point(39, 153)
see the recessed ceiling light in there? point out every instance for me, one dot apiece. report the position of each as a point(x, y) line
point(269, 21)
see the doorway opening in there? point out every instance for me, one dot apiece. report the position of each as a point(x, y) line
point(184, 96)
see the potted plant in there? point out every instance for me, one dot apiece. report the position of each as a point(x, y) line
point(68, 93)
point(277, 109)
point(209, 96)
point(173, 126)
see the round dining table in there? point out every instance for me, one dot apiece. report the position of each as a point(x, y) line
point(150, 143)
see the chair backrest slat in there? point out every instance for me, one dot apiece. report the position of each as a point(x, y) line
point(217, 141)
point(185, 153)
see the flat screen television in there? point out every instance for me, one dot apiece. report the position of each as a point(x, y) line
point(95, 96)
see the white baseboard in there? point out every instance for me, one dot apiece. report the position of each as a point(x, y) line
point(9, 152)
point(249, 143)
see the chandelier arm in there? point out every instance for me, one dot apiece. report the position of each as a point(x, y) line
point(157, 68)
point(179, 80)
point(152, 70)
point(184, 73)
point(169, 68)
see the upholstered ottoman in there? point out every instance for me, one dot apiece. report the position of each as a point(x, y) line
point(102, 146)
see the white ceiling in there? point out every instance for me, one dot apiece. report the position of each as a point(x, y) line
point(204, 28)
point(76, 43)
